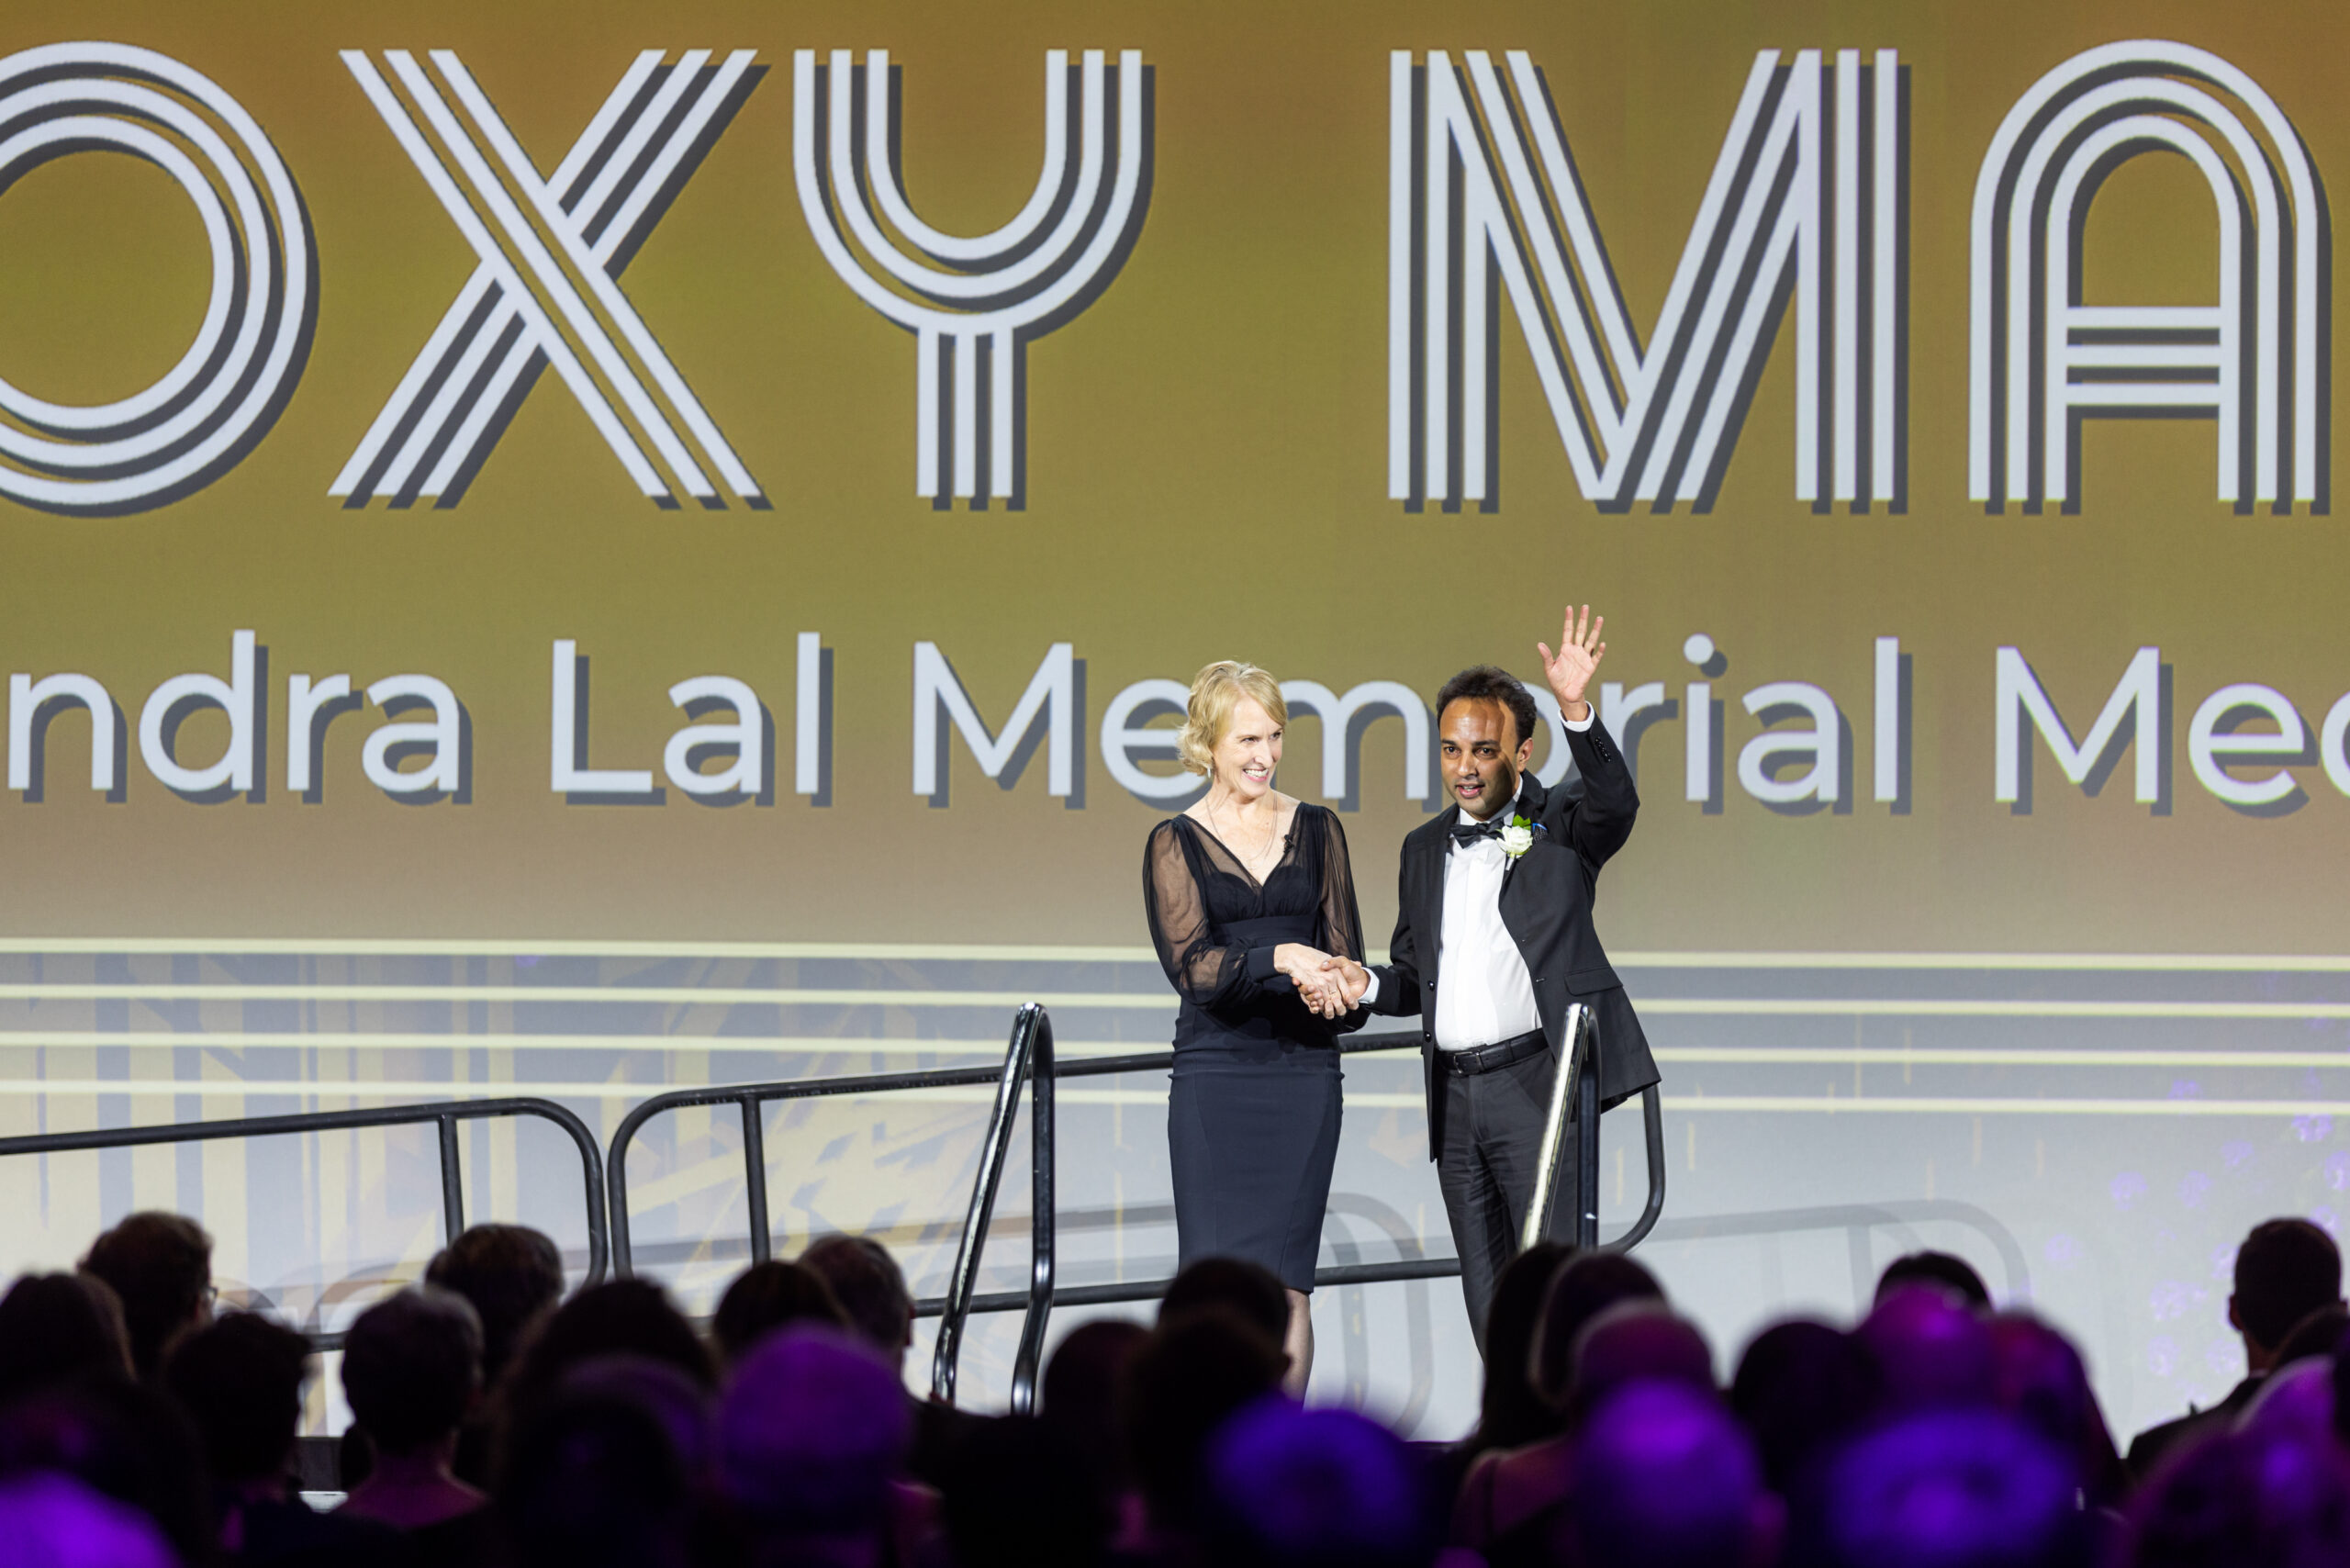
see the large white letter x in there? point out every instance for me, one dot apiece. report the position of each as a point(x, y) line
point(601, 203)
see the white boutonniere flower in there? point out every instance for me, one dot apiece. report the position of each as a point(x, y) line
point(1517, 837)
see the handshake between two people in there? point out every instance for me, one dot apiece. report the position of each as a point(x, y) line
point(1332, 985)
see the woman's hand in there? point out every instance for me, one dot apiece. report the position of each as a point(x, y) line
point(1319, 986)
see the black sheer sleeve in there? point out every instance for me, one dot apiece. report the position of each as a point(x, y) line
point(1341, 923)
point(1206, 968)
point(1340, 920)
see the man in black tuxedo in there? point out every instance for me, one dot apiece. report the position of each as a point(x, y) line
point(1495, 941)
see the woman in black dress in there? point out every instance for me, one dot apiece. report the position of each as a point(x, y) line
point(1249, 896)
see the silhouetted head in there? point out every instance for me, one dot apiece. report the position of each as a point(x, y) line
point(1946, 1489)
point(1511, 1412)
point(2268, 1499)
point(54, 1521)
point(411, 1368)
point(1080, 1392)
point(685, 1409)
point(160, 1267)
point(2286, 1269)
point(1580, 1291)
point(513, 1276)
point(1250, 1291)
point(2295, 1401)
point(2037, 1378)
point(239, 1379)
point(56, 1327)
point(1636, 1341)
point(626, 1318)
point(125, 1440)
point(1018, 1493)
point(1935, 1270)
point(766, 1298)
point(2315, 1335)
point(811, 1431)
point(1294, 1489)
point(870, 1288)
point(591, 1480)
point(1801, 1388)
point(1930, 1352)
point(1664, 1478)
point(1184, 1382)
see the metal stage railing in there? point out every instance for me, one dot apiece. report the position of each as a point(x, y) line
point(443, 1115)
point(1028, 1056)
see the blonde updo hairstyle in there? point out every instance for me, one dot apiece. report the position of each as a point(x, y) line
point(1215, 692)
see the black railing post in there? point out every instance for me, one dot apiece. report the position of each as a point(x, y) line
point(1042, 1224)
point(1587, 1141)
point(452, 1179)
point(754, 1173)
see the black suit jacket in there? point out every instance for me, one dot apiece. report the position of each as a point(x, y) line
point(1546, 903)
point(2147, 1449)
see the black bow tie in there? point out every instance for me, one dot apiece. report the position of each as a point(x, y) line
point(1465, 835)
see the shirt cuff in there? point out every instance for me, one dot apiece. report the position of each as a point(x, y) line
point(1579, 725)
point(1260, 963)
point(1369, 993)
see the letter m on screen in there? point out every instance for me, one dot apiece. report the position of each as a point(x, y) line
point(1805, 200)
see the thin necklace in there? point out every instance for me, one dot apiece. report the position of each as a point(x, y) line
point(1263, 843)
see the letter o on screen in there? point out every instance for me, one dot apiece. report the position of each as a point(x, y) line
point(194, 423)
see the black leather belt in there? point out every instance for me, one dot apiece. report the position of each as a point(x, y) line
point(1504, 1053)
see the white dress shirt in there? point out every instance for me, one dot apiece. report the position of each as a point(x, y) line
point(1484, 994)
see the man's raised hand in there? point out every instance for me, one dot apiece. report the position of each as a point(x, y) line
point(1569, 671)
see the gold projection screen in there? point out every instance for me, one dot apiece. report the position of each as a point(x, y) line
point(1204, 471)
point(575, 550)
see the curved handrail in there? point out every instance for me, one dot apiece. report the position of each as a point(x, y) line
point(1576, 1078)
point(445, 1115)
point(1027, 1056)
point(1652, 1122)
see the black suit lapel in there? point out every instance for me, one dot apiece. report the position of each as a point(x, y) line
point(1427, 914)
point(1531, 798)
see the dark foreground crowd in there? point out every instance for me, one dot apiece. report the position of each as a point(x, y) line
point(497, 1424)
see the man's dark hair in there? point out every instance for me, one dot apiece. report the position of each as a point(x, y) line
point(617, 1317)
point(1802, 1388)
point(240, 1380)
point(55, 1327)
point(1250, 1291)
point(869, 1286)
point(2286, 1269)
point(513, 1276)
point(160, 1265)
point(412, 1365)
point(1954, 1274)
point(766, 1296)
point(1179, 1387)
point(1582, 1289)
point(1490, 683)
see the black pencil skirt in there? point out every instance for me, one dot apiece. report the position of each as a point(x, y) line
point(1252, 1133)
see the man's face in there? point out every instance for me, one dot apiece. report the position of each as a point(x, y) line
point(1481, 755)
